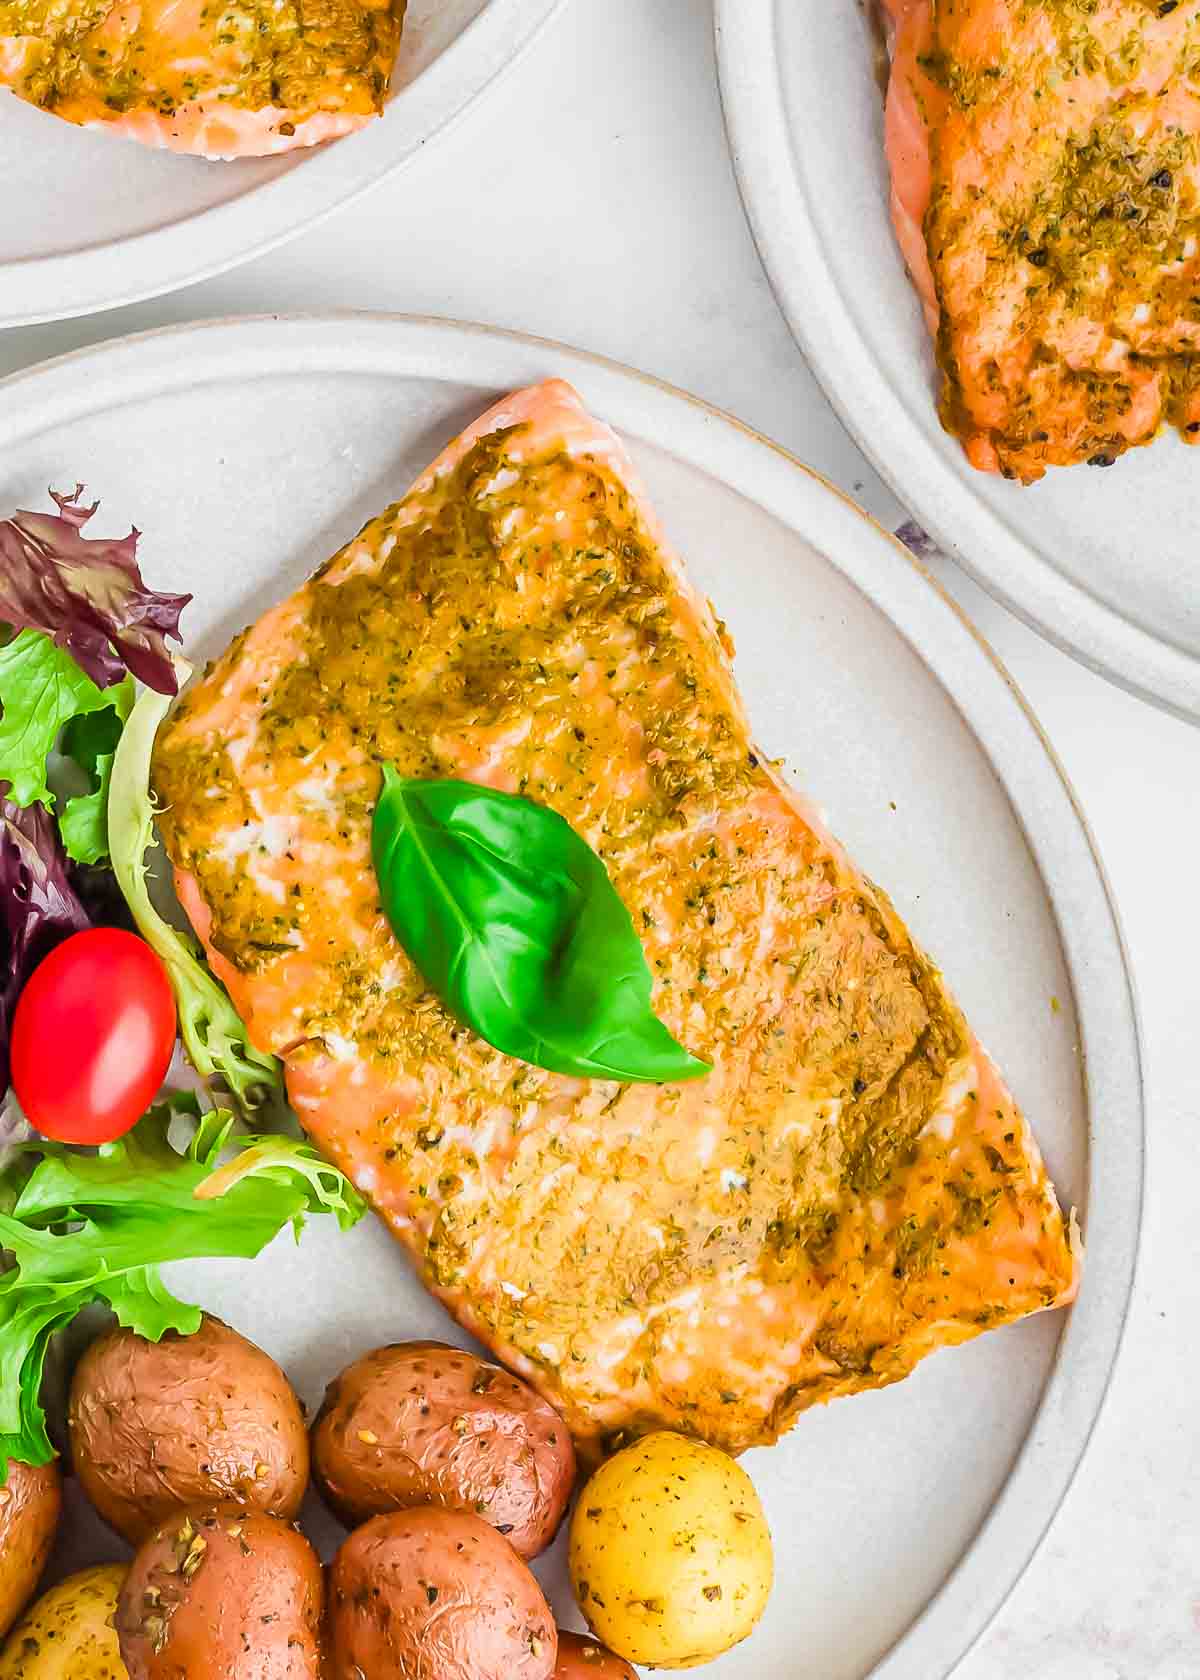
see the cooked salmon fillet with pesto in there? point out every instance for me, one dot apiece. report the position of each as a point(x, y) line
point(219, 78)
point(849, 1188)
point(1046, 197)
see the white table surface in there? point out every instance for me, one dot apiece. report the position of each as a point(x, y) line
point(590, 198)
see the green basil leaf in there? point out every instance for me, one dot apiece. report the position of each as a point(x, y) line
point(512, 920)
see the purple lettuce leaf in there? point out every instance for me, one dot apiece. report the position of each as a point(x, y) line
point(38, 905)
point(87, 594)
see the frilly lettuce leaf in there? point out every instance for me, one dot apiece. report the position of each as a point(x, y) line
point(87, 594)
point(41, 690)
point(96, 1227)
point(91, 741)
point(284, 1161)
point(213, 1033)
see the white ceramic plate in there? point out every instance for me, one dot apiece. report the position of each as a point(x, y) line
point(92, 221)
point(1102, 562)
point(247, 452)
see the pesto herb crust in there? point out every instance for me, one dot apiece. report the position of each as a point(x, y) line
point(300, 55)
point(1063, 225)
point(515, 620)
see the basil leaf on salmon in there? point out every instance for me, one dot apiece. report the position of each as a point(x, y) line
point(512, 920)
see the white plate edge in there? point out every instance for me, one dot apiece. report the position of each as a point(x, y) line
point(996, 713)
point(93, 280)
point(870, 409)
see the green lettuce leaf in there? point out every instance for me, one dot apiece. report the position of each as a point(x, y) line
point(283, 1162)
point(84, 821)
point(91, 741)
point(142, 1302)
point(213, 1033)
point(27, 1322)
point(41, 690)
point(96, 1227)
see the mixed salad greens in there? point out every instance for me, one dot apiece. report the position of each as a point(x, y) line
point(81, 626)
point(96, 1227)
point(79, 631)
point(77, 620)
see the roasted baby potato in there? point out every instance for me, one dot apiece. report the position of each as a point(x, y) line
point(438, 1594)
point(68, 1634)
point(580, 1657)
point(222, 1593)
point(30, 1502)
point(420, 1423)
point(670, 1554)
point(191, 1420)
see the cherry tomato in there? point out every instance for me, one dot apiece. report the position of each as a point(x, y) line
point(92, 1036)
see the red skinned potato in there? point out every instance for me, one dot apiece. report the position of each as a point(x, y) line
point(580, 1657)
point(157, 1427)
point(222, 1593)
point(30, 1502)
point(436, 1594)
point(421, 1423)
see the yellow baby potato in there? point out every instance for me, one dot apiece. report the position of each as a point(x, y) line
point(670, 1554)
point(68, 1633)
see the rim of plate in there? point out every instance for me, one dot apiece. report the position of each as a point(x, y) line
point(106, 376)
point(123, 271)
point(823, 323)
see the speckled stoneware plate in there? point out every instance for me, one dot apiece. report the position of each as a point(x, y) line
point(91, 221)
point(247, 452)
point(1103, 563)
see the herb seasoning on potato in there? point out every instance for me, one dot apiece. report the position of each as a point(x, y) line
point(223, 1593)
point(440, 1595)
point(189, 1420)
point(421, 1423)
point(580, 1657)
point(69, 1633)
point(670, 1554)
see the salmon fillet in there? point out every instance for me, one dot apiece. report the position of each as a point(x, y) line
point(852, 1185)
point(1046, 197)
point(219, 78)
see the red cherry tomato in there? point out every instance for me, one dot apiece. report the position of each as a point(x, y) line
point(92, 1036)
